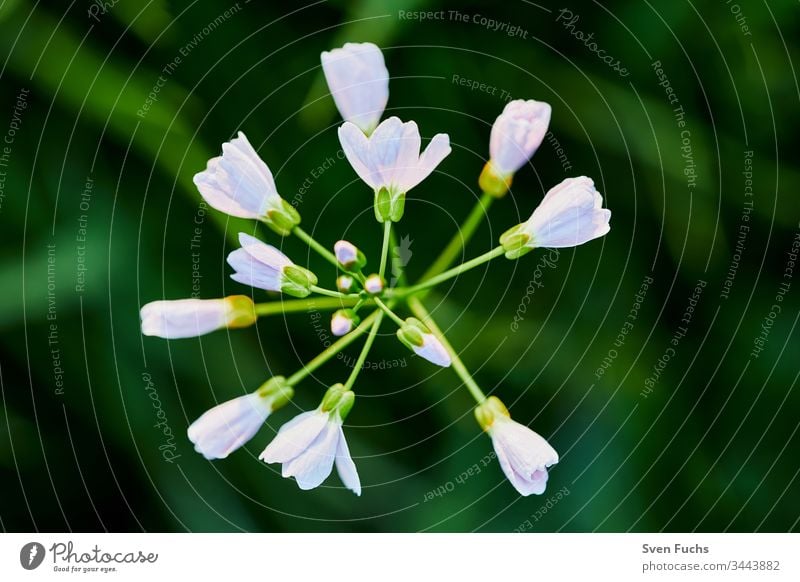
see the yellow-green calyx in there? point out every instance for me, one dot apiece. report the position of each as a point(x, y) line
point(283, 219)
point(297, 281)
point(241, 311)
point(389, 205)
point(487, 412)
point(516, 242)
point(492, 182)
point(411, 334)
point(338, 400)
point(277, 391)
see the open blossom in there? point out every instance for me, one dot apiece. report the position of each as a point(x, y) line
point(359, 82)
point(390, 158)
point(184, 318)
point(416, 336)
point(517, 133)
point(226, 427)
point(239, 183)
point(570, 214)
point(524, 455)
point(310, 444)
point(263, 266)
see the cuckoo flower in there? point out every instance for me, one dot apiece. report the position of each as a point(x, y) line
point(359, 83)
point(226, 427)
point(184, 318)
point(570, 214)
point(516, 135)
point(417, 337)
point(263, 266)
point(524, 455)
point(389, 161)
point(239, 183)
point(310, 444)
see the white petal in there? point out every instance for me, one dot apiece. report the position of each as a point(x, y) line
point(238, 183)
point(311, 467)
point(346, 467)
point(184, 318)
point(523, 454)
point(569, 215)
point(229, 425)
point(433, 351)
point(356, 148)
point(294, 436)
point(517, 133)
point(359, 82)
point(258, 264)
point(438, 149)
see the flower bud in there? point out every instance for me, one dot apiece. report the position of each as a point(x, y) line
point(349, 257)
point(345, 283)
point(491, 182)
point(418, 338)
point(374, 284)
point(343, 321)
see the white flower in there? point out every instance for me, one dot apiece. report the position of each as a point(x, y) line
point(524, 455)
point(569, 215)
point(184, 318)
point(308, 446)
point(239, 183)
point(263, 266)
point(433, 350)
point(416, 336)
point(517, 133)
point(390, 158)
point(229, 425)
point(359, 82)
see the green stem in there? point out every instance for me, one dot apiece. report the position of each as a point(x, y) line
point(330, 293)
point(296, 305)
point(364, 352)
point(334, 348)
point(454, 272)
point(461, 238)
point(387, 310)
point(309, 240)
point(419, 310)
point(397, 265)
point(387, 231)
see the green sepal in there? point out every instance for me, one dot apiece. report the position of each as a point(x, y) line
point(297, 281)
point(282, 220)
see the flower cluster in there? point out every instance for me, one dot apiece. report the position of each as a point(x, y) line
point(388, 157)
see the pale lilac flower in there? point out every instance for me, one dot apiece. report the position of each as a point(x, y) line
point(263, 266)
point(374, 284)
point(238, 182)
point(226, 427)
point(229, 425)
point(516, 135)
point(418, 337)
point(524, 455)
point(184, 318)
point(390, 158)
point(570, 214)
point(343, 321)
point(309, 445)
point(359, 83)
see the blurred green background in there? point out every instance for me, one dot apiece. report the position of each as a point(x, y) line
point(98, 214)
